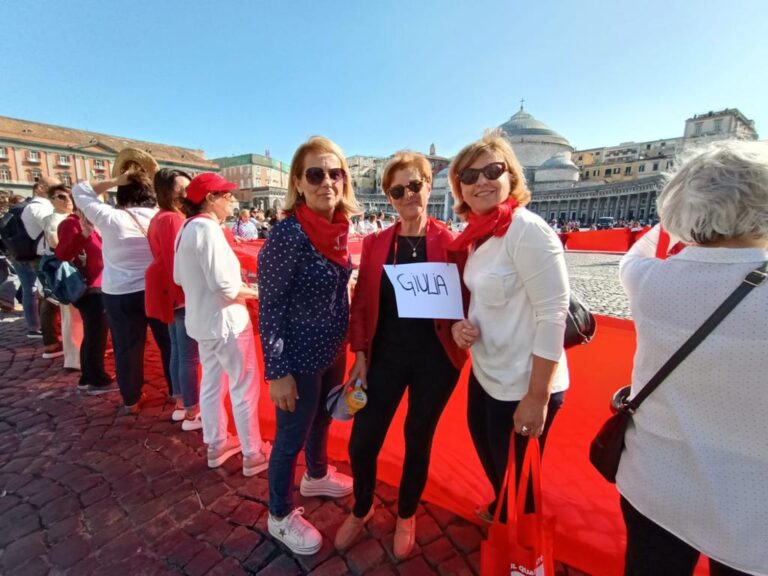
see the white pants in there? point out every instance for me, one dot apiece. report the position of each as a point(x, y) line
point(71, 335)
point(231, 361)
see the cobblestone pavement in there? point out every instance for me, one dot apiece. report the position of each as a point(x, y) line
point(84, 490)
point(595, 278)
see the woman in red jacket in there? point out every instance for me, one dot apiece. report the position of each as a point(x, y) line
point(394, 354)
point(80, 243)
point(164, 299)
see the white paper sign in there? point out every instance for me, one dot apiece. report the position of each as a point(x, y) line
point(427, 290)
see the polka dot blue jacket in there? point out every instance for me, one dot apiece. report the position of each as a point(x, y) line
point(303, 303)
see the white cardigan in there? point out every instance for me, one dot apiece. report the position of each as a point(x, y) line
point(125, 247)
point(520, 293)
point(696, 458)
point(209, 272)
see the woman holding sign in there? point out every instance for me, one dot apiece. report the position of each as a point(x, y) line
point(518, 281)
point(395, 353)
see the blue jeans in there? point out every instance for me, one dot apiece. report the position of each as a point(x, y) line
point(128, 324)
point(306, 427)
point(185, 359)
point(28, 277)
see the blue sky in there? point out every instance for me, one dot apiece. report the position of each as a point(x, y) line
point(232, 77)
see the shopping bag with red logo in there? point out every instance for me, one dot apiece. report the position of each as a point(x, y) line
point(524, 545)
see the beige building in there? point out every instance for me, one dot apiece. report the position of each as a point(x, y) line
point(263, 181)
point(30, 151)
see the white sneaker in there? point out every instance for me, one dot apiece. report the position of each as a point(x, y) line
point(178, 415)
point(334, 484)
point(190, 424)
point(296, 533)
point(217, 455)
point(253, 465)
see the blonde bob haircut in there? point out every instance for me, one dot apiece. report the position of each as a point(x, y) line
point(495, 144)
point(719, 192)
point(319, 145)
point(403, 160)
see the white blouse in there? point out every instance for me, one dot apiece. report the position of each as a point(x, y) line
point(696, 458)
point(520, 294)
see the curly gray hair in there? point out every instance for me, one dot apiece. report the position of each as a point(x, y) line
point(718, 192)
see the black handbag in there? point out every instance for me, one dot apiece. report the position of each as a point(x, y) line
point(580, 324)
point(608, 445)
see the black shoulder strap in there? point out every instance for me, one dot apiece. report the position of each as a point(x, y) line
point(753, 279)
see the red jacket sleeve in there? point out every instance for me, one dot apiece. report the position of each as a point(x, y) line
point(358, 329)
point(71, 239)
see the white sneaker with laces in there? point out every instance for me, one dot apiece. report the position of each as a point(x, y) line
point(253, 465)
point(296, 533)
point(178, 414)
point(334, 484)
point(190, 424)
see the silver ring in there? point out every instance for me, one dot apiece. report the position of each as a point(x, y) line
point(525, 430)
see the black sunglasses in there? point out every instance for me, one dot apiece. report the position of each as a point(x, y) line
point(315, 176)
point(62, 196)
point(397, 192)
point(492, 171)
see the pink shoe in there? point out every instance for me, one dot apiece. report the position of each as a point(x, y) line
point(405, 537)
point(350, 529)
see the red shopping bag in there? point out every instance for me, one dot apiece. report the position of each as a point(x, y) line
point(523, 546)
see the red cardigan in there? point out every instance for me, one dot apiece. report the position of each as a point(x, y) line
point(365, 303)
point(162, 294)
point(72, 243)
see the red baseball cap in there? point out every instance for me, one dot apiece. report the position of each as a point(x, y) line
point(206, 183)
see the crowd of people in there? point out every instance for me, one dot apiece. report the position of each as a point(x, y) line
point(692, 478)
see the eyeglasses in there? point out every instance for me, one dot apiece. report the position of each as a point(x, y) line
point(316, 175)
point(216, 195)
point(62, 196)
point(397, 192)
point(492, 171)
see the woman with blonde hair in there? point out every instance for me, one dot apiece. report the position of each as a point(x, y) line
point(304, 268)
point(693, 476)
point(518, 282)
point(393, 353)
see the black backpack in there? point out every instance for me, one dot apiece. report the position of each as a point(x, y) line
point(18, 243)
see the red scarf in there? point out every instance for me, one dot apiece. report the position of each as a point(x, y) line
point(483, 226)
point(329, 238)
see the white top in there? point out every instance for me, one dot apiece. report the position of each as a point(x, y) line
point(696, 458)
point(50, 229)
point(520, 293)
point(209, 272)
point(33, 217)
point(125, 247)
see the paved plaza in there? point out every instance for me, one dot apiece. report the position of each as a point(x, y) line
point(84, 490)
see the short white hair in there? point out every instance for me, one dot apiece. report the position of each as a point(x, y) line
point(718, 192)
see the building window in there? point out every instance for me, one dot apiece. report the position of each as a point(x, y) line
point(65, 178)
point(663, 144)
point(641, 168)
point(35, 176)
point(98, 164)
point(628, 170)
point(63, 160)
point(647, 146)
point(698, 127)
point(616, 170)
point(718, 125)
point(607, 171)
point(5, 175)
point(596, 173)
point(33, 156)
point(3, 153)
point(655, 166)
point(669, 164)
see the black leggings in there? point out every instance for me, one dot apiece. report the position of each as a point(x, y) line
point(491, 423)
point(652, 551)
point(430, 380)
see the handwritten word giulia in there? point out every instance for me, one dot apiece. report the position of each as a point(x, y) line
point(432, 284)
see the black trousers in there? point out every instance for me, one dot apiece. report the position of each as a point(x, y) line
point(430, 379)
point(652, 551)
point(94, 342)
point(491, 424)
point(128, 323)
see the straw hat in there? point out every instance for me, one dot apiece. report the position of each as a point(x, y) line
point(140, 157)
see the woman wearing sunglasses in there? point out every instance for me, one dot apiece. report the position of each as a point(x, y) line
point(519, 289)
point(304, 269)
point(393, 354)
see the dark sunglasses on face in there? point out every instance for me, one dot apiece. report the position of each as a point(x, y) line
point(62, 196)
point(492, 171)
point(315, 176)
point(397, 192)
